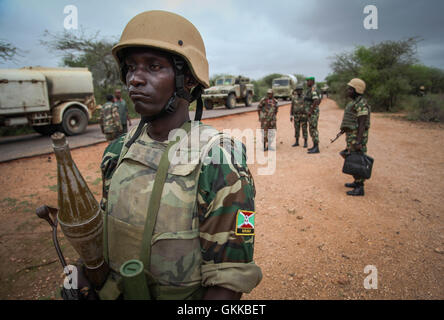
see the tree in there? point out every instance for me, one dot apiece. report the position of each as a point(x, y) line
point(7, 51)
point(384, 67)
point(81, 50)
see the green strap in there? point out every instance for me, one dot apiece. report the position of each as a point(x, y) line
point(154, 202)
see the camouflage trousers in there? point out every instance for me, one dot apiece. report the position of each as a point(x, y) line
point(266, 134)
point(300, 120)
point(313, 126)
point(351, 139)
point(268, 124)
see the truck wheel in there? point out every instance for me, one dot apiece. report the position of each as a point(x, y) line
point(248, 99)
point(231, 101)
point(74, 121)
point(46, 130)
point(208, 104)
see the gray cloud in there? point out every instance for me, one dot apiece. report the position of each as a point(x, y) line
point(253, 38)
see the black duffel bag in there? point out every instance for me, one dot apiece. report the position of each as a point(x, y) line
point(358, 164)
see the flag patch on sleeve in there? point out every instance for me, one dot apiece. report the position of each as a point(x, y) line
point(245, 223)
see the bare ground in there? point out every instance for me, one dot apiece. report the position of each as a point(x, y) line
point(313, 241)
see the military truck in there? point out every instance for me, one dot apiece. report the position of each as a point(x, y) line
point(229, 90)
point(48, 99)
point(283, 87)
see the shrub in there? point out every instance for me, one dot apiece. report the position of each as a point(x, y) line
point(428, 109)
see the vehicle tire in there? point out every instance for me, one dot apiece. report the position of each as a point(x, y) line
point(45, 130)
point(248, 99)
point(74, 121)
point(231, 101)
point(208, 104)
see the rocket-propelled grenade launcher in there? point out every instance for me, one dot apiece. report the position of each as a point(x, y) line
point(79, 213)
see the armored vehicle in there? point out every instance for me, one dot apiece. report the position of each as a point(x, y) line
point(283, 87)
point(229, 90)
point(48, 99)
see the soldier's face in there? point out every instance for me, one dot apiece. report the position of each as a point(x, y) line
point(350, 92)
point(117, 94)
point(310, 83)
point(150, 79)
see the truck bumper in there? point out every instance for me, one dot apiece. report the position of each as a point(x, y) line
point(220, 96)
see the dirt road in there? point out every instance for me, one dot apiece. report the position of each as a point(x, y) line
point(313, 241)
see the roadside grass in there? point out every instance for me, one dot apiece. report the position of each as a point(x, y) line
point(429, 108)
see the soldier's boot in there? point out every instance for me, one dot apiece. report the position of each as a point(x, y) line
point(296, 144)
point(314, 145)
point(315, 149)
point(305, 143)
point(357, 191)
point(351, 185)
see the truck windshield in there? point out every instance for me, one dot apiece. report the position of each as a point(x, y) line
point(224, 81)
point(280, 82)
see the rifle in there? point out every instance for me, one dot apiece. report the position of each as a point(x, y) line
point(337, 136)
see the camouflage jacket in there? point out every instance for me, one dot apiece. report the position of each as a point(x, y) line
point(110, 119)
point(268, 109)
point(310, 95)
point(123, 110)
point(297, 105)
point(199, 237)
point(353, 110)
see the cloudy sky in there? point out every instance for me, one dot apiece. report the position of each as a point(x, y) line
point(253, 38)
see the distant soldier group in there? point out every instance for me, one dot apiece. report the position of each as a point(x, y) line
point(114, 117)
point(305, 109)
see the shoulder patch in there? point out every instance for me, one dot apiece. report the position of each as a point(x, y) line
point(245, 223)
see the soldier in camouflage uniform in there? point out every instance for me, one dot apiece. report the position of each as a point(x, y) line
point(356, 124)
point(202, 239)
point(267, 110)
point(325, 90)
point(312, 98)
point(298, 114)
point(110, 120)
point(123, 110)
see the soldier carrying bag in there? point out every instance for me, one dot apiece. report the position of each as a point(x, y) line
point(358, 164)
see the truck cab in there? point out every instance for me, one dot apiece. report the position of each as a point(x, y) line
point(48, 99)
point(283, 87)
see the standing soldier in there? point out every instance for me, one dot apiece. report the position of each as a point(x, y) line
point(356, 124)
point(421, 92)
point(298, 114)
point(267, 110)
point(312, 100)
point(188, 227)
point(110, 120)
point(325, 89)
point(123, 110)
